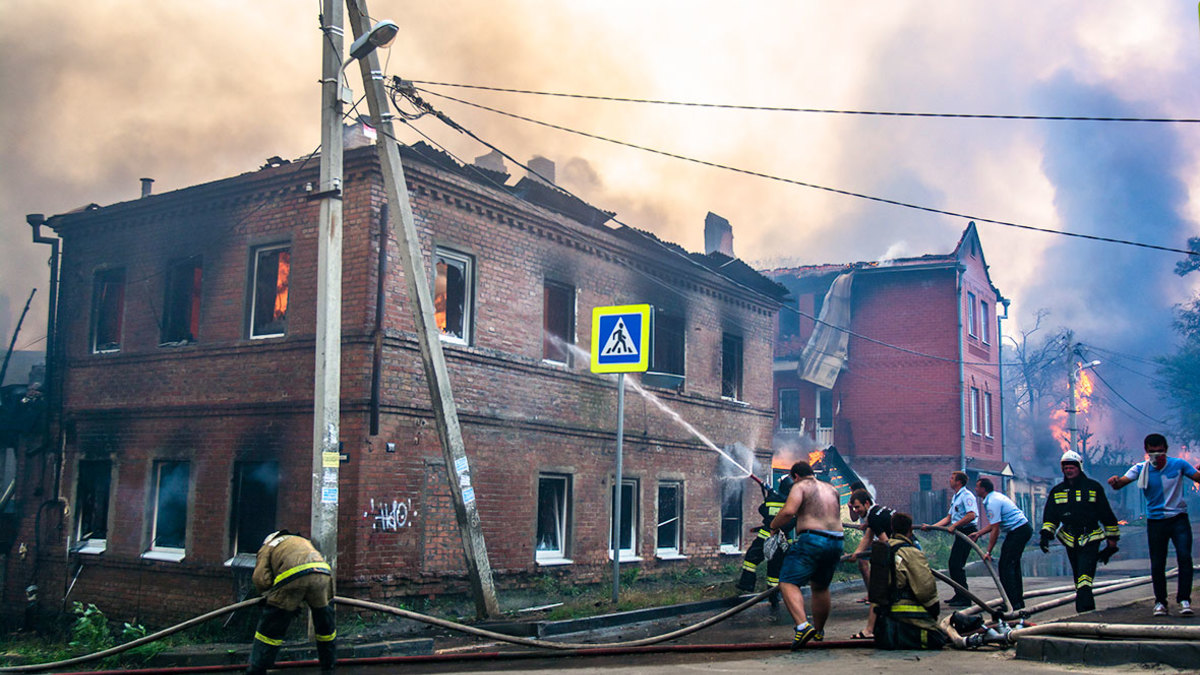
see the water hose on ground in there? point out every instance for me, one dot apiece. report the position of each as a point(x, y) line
point(1108, 630)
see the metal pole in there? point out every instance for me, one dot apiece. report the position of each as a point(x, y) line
point(616, 526)
point(327, 377)
point(458, 473)
point(1071, 375)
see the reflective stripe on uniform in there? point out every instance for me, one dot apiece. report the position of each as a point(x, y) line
point(764, 533)
point(749, 566)
point(266, 640)
point(907, 608)
point(327, 638)
point(1083, 580)
point(772, 581)
point(287, 574)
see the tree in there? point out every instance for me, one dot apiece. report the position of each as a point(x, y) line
point(1035, 368)
point(1192, 262)
point(1180, 373)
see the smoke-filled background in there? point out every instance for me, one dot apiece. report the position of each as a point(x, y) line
point(99, 94)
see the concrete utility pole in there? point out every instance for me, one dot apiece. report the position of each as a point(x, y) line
point(458, 471)
point(327, 380)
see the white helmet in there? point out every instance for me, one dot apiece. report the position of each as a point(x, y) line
point(1071, 456)
point(271, 537)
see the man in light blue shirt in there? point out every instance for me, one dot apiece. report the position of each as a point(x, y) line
point(1161, 479)
point(1004, 516)
point(963, 517)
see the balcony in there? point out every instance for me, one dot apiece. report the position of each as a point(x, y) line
point(810, 427)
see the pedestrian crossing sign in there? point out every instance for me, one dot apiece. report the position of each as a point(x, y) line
point(621, 339)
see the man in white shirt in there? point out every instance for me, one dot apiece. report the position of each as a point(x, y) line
point(963, 517)
point(1004, 516)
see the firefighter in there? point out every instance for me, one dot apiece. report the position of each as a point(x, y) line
point(773, 501)
point(1078, 510)
point(904, 592)
point(290, 572)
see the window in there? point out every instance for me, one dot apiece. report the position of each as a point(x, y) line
point(983, 322)
point(789, 408)
point(972, 316)
point(181, 308)
point(629, 520)
point(108, 308)
point(668, 342)
point(670, 519)
point(824, 408)
point(168, 536)
point(987, 414)
point(925, 482)
point(91, 505)
point(731, 515)
point(789, 319)
point(452, 289)
point(269, 302)
point(975, 411)
point(252, 516)
point(731, 366)
point(818, 304)
point(553, 518)
point(558, 321)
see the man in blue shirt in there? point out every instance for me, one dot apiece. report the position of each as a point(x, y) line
point(1004, 516)
point(1161, 480)
point(963, 517)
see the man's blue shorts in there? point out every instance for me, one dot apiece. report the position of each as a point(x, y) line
point(812, 558)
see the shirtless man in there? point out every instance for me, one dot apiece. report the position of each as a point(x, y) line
point(814, 553)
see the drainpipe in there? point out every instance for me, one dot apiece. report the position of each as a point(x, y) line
point(962, 408)
point(1000, 368)
point(36, 220)
point(380, 300)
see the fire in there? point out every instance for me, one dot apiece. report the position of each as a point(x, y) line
point(1122, 522)
point(815, 457)
point(281, 284)
point(1083, 404)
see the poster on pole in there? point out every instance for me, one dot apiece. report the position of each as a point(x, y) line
point(621, 339)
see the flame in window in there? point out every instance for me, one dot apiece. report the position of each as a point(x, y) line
point(439, 297)
point(281, 284)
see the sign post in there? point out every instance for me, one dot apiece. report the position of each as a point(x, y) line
point(620, 344)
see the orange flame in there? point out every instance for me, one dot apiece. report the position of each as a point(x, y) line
point(815, 457)
point(1083, 404)
point(281, 284)
point(1122, 522)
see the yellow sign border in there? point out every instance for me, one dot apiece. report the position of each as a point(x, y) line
point(643, 363)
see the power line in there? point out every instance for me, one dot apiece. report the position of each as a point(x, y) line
point(824, 111)
point(791, 181)
point(1125, 400)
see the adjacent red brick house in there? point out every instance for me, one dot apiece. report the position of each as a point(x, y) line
point(186, 339)
point(914, 393)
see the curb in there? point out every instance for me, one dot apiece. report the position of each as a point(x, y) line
point(1080, 651)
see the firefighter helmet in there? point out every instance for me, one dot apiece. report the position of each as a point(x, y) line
point(1071, 456)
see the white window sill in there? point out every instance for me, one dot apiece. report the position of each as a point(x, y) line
point(727, 549)
point(626, 556)
point(92, 547)
point(552, 562)
point(268, 336)
point(730, 399)
point(670, 555)
point(164, 556)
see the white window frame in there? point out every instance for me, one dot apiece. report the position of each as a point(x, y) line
point(256, 254)
point(563, 522)
point(975, 410)
point(167, 553)
point(972, 317)
point(674, 549)
point(468, 312)
point(627, 554)
point(983, 322)
point(818, 409)
point(987, 414)
point(107, 278)
point(727, 488)
point(738, 364)
point(799, 417)
point(91, 545)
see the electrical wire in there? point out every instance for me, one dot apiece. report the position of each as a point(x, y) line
point(791, 181)
point(1126, 401)
point(825, 111)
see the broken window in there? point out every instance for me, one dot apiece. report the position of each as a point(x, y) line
point(668, 351)
point(731, 366)
point(972, 317)
point(789, 408)
point(731, 515)
point(824, 408)
point(629, 519)
point(452, 302)
point(92, 489)
point(558, 321)
point(670, 518)
point(553, 518)
point(108, 308)
point(181, 308)
point(168, 534)
point(252, 516)
point(269, 303)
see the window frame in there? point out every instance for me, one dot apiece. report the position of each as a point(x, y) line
point(974, 412)
point(252, 328)
point(675, 550)
point(732, 517)
point(174, 308)
point(669, 335)
point(972, 315)
point(560, 556)
point(987, 414)
point(155, 551)
point(732, 372)
point(630, 511)
point(549, 288)
point(236, 503)
point(819, 412)
point(983, 322)
point(107, 313)
point(468, 283)
point(783, 407)
point(83, 506)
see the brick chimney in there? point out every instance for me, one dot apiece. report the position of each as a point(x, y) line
point(543, 166)
point(718, 235)
point(147, 186)
point(493, 161)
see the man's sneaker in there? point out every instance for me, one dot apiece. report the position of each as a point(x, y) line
point(1185, 608)
point(1160, 609)
point(804, 635)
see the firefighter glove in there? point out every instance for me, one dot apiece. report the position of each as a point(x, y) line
point(1044, 544)
point(1107, 553)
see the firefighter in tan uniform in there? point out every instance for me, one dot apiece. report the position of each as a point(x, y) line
point(290, 573)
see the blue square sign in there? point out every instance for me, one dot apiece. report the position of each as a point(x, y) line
point(621, 339)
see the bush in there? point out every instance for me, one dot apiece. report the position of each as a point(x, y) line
point(89, 632)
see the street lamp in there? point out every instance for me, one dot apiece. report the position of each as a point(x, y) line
point(1072, 378)
point(380, 35)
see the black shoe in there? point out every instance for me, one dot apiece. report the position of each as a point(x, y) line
point(958, 602)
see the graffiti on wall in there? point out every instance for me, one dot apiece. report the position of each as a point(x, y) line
point(390, 516)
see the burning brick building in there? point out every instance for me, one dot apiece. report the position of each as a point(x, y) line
point(910, 389)
point(186, 340)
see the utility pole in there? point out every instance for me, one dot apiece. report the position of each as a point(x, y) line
point(327, 379)
point(458, 473)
